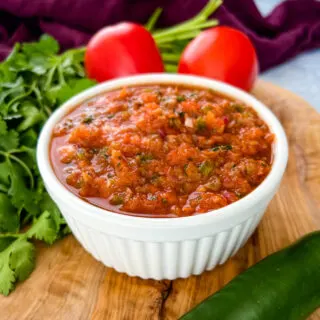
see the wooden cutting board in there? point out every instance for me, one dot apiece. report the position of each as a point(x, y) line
point(69, 284)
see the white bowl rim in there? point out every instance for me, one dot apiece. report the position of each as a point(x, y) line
point(224, 213)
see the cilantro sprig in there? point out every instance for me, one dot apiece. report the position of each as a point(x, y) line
point(34, 80)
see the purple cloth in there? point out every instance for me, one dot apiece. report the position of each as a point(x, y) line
point(292, 27)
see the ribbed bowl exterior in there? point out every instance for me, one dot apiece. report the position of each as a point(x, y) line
point(166, 259)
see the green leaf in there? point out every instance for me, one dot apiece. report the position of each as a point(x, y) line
point(44, 228)
point(46, 45)
point(28, 156)
point(18, 63)
point(22, 259)
point(47, 204)
point(52, 93)
point(34, 80)
point(66, 230)
point(13, 116)
point(7, 277)
point(4, 173)
point(13, 53)
point(29, 138)
point(39, 64)
point(13, 110)
point(3, 127)
point(67, 91)
point(9, 141)
point(77, 55)
point(14, 84)
point(67, 61)
point(9, 218)
point(17, 261)
point(32, 115)
point(3, 188)
point(5, 242)
point(21, 196)
point(10, 91)
point(6, 75)
point(49, 43)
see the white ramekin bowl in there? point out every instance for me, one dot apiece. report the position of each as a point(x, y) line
point(164, 248)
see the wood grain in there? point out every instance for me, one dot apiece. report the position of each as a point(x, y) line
point(69, 284)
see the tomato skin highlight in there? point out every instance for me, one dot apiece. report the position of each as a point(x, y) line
point(121, 50)
point(224, 54)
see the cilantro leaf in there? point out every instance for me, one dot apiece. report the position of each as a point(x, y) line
point(46, 45)
point(28, 157)
point(47, 204)
point(67, 91)
point(14, 87)
point(66, 230)
point(9, 141)
point(17, 261)
point(3, 188)
point(32, 115)
point(5, 241)
point(9, 218)
point(21, 196)
point(39, 64)
point(22, 259)
point(44, 228)
point(7, 277)
point(4, 173)
point(34, 80)
point(3, 127)
point(29, 138)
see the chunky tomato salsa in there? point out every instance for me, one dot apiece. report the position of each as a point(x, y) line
point(161, 150)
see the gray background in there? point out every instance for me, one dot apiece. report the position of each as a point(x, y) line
point(300, 74)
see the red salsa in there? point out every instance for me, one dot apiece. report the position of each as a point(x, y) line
point(161, 150)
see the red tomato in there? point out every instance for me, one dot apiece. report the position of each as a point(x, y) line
point(121, 50)
point(224, 54)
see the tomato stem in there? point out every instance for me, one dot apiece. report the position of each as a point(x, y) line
point(166, 35)
point(171, 67)
point(182, 36)
point(170, 57)
point(153, 19)
point(210, 7)
point(193, 23)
